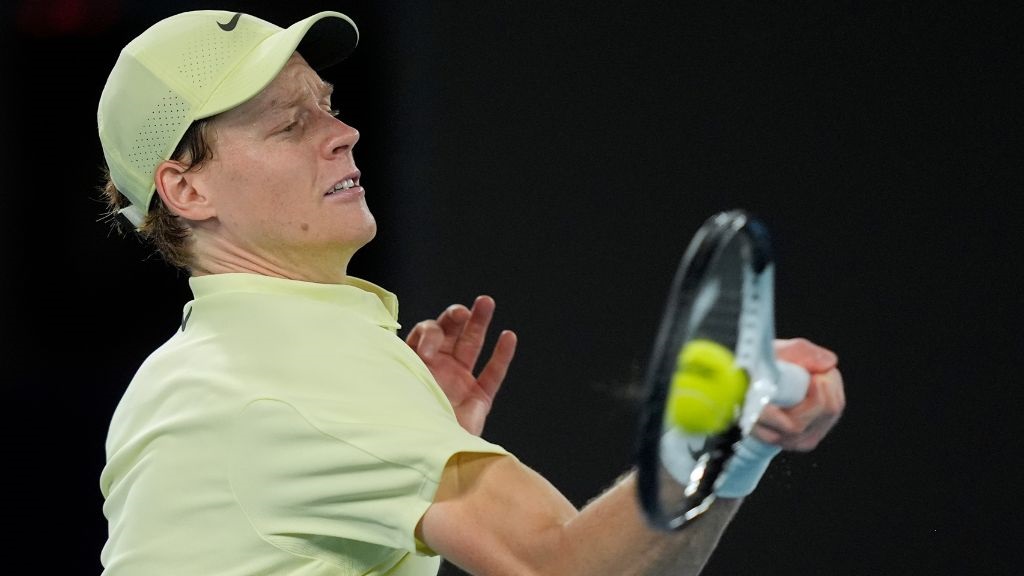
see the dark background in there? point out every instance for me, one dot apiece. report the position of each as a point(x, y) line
point(559, 156)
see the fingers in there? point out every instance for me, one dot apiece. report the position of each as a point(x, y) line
point(471, 342)
point(453, 319)
point(811, 356)
point(468, 330)
point(803, 426)
point(426, 338)
point(496, 368)
point(429, 336)
point(458, 330)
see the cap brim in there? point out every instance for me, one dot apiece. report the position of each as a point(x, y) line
point(324, 39)
point(328, 41)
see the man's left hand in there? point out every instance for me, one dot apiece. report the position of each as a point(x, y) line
point(450, 347)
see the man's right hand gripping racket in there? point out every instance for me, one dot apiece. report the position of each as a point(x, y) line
point(711, 372)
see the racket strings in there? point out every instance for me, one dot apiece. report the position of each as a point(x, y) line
point(724, 322)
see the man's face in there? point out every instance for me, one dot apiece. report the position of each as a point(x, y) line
point(279, 181)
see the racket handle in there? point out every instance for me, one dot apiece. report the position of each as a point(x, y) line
point(743, 470)
point(751, 457)
point(791, 388)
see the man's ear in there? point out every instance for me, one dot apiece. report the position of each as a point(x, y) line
point(175, 185)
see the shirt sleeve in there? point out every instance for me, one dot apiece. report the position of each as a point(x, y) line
point(310, 476)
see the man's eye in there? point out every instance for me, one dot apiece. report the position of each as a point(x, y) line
point(290, 127)
point(333, 112)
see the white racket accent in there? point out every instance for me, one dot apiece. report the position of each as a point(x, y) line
point(771, 380)
point(791, 388)
point(677, 450)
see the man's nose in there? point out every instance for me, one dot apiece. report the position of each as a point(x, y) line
point(342, 139)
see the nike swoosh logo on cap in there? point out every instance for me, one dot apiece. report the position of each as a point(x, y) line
point(231, 23)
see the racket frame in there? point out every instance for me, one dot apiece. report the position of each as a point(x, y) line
point(754, 336)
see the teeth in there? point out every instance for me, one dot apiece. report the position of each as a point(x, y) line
point(344, 184)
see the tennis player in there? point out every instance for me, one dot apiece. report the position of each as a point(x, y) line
point(285, 428)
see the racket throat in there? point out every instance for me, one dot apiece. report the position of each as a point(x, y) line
point(690, 467)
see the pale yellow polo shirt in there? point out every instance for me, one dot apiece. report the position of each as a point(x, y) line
point(285, 429)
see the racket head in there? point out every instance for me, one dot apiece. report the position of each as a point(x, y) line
point(721, 292)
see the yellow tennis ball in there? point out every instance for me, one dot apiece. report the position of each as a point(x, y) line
point(707, 388)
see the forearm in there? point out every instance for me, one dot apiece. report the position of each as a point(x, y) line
point(493, 516)
point(611, 536)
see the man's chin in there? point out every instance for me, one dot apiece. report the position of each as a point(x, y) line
point(371, 232)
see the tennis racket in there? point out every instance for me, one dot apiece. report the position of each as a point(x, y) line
point(712, 368)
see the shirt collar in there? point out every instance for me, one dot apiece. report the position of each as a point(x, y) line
point(374, 302)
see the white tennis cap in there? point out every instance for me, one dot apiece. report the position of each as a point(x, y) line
point(191, 66)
